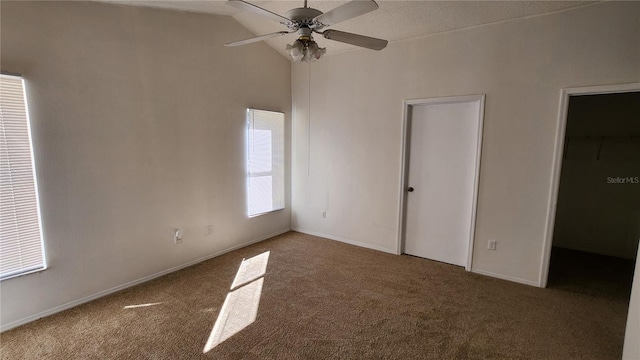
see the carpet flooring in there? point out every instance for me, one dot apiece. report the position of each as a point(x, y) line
point(321, 299)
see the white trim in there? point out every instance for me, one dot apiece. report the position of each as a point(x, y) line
point(404, 166)
point(557, 163)
point(71, 304)
point(476, 183)
point(35, 176)
point(505, 277)
point(403, 177)
point(346, 241)
point(445, 100)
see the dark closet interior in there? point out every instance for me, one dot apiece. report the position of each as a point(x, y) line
point(597, 225)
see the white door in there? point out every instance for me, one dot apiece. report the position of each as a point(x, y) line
point(444, 145)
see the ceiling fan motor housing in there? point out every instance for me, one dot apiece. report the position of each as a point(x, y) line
point(305, 32)
point(303, 17)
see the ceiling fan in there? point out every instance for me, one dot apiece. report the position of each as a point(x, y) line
point(306, 21)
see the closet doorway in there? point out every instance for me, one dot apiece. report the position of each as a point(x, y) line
point(594, 231)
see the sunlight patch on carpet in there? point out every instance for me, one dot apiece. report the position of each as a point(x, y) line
point(240, 308)
point(141, 305)
point(251, 269)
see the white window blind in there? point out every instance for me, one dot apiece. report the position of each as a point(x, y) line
point(265, 153)
point(21, 247)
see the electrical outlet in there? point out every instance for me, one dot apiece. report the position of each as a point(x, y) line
point(209, 229)
point(177, 236)
point(492, 244)
point(324, 214)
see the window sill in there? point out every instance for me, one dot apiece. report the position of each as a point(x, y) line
point(32, 271)
point(265, 213)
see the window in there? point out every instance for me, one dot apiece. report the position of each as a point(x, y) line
point(265, 161)
point(21, 246)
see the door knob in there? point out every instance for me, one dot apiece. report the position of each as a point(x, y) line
point(410, 189)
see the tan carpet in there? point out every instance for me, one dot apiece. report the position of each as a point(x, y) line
point(324, 299)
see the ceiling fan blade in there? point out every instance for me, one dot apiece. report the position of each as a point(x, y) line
point(347, 11)
point(258, 38)
point(243, 5)
point(355, 39)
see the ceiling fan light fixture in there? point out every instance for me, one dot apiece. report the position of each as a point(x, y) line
point(314, 52)
point(305, 49)
point(296, 50)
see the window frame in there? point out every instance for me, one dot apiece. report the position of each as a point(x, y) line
point(277, 161)
point(43, 265)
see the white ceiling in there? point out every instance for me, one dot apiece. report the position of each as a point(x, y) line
point(395, 19)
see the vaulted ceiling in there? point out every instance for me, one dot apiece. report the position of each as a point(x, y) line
point(395, 20)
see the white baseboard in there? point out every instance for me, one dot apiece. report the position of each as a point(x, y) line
point(346, 241)
point(506, 277)
point(69, 305)
point(379, 248)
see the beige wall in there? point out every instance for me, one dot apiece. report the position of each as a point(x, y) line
point(347, 143)
point(138, 127)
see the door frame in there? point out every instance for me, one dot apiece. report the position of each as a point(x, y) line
point(565, 95)
point(404, 164)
